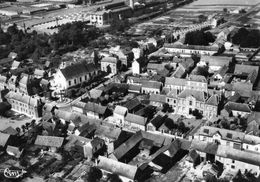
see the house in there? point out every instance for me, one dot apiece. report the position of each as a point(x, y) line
point(156, 122)
point(138, 53)
point(24, 104)
point(189, 101)
point(191, 49)
point(183, 68)
point(235, 139)
point(197, 82)
point(39, 73)
point(135, 122)
point(133, 105)
point(133, 88)
point(125, 172)
point(241, 69)
point(136, 67)
point(100, 18)
point(233, 159)
point(157, 100)
point(12, 83)
point(149, 87)
point(73, 75)
point(15, 65)
point(236, 109)
point(78, 107)
point(52, 142)
point(3, 80)
point(175, 83)
point(109, 65)
point(120, 113)
point(93, 147)
point(154, 68)
point(253, 124)
point(94, 110)
point(24, 84)
point(4, 137)
point(10, 130)
point(95, 93)
point(14, 151)
point(125, 55)
point(215, 63)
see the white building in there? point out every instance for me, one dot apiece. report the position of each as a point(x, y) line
point(135, 67)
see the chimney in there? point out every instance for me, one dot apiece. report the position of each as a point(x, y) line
point(132, 4)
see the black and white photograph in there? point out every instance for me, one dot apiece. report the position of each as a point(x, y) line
point(129, 91)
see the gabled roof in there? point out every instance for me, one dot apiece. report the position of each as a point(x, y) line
point(213, 100)
point(216, 60)
point(245, 69)
point(109, 60)
point(155, 66)
point(78, 69)
point(4, 138)
point(158, 98)
point(133, 87)
point(3, 79)
point(22, 98)
point(158, 120)
point(10, 130)
point(175, 81)
point(38, 72)
point(131, 104)
point(117, 167)
point(233, 106)
point(95, 93)
point(109, 132)
point(179, 72)
point(120, 110)
point(79, 104)
point(96, 108)
point(197, 78)
point(15, 65)
point(24, 80)
point(49, 141)
point(198, 95)
point(132, 118)
point(225, 134)
point(152, 84)
point(194, 47)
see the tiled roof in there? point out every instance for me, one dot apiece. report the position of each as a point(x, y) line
point(3, 79)
point(15, 64)
point(10, 130)
point(198, 78)
point(96, 108)
point(157, 98)
point(132, 118)
point(179, 72)
point(94, 93)
point(131, 104)
point(225, 134)
point(116, 167)
point(3, 138)
point(195, 47)
point(109, 60)
point(109, 132)
point(213, 100)
point(154, 66)
point(22, 98)
point(49, 141)
point(245, 69)
point(120, 110)
point(38, 72)
point(78, 69)
point(216, 60)
point(199, 95)
point(133, 87)
point(233, 106)
point(152, 84)
point(175, 81)
point(158, 120)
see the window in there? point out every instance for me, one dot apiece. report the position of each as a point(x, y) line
point(232, 166)
point(256, 149)
point(233, 161)
point(174, 101)
point(75, 81)
point(246, 146)
point(80, 79)
point(190, 103)
point(69, 83)
point(85, 77)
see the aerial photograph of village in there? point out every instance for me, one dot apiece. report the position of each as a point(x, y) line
point(129, 91)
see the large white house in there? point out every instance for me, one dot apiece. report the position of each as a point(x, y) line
point(73, 75)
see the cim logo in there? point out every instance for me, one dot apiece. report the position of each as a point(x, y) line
point(13, 173)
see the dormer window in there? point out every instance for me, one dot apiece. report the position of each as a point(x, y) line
point(206, 131)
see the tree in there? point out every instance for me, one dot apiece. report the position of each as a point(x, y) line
point(199, 38)
point(113, 178)
point(93, 175)
point(202, 70)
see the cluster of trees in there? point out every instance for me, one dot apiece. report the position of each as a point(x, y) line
point(70, 37)
point(246, 38)
point(199, 38)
